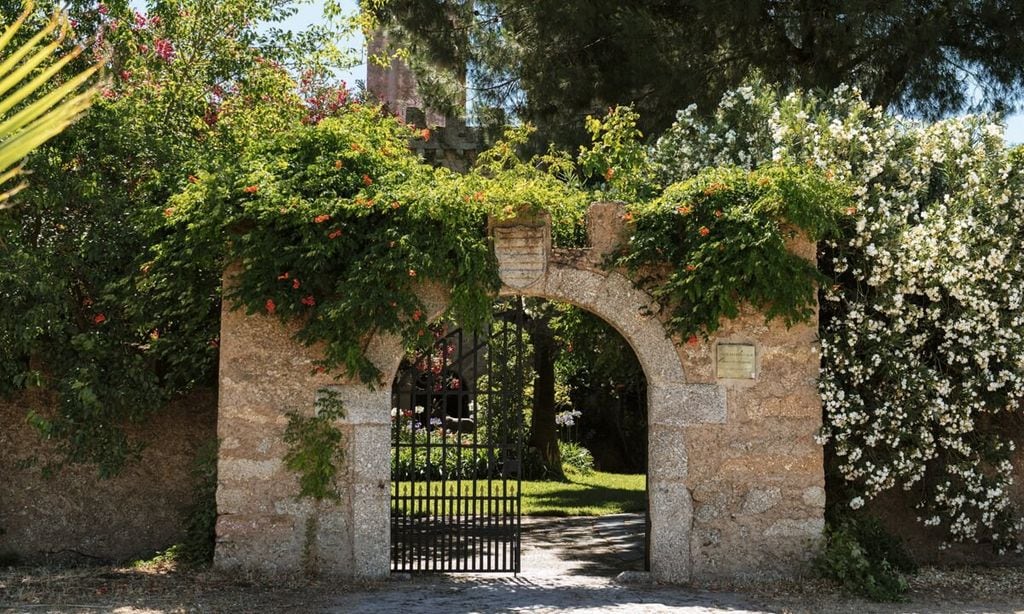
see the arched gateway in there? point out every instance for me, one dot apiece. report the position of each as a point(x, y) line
point(735, 478)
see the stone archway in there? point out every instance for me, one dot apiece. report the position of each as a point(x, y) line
point(735, 480)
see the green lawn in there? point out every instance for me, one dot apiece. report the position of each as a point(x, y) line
point(597, 494)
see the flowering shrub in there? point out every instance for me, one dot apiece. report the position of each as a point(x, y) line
point(923, 330)
point(82, 313)
point(723, 235)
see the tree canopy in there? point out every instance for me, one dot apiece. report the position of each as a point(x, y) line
point(553, 63)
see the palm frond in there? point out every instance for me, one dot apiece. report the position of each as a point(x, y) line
point(24, 72)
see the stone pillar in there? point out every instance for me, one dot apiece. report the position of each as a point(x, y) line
point(261, 526)
point(757, 480)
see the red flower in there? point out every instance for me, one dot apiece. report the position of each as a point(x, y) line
point(192, 179)
point(395, 204)
point(295, 284)
point(163, 49)
point(425, 134)
point(99, 318)
point(628, 217)
point(169, 211)
point(338, 164)
point(125, 75)
point(412, 272)
point(367, 180)
point(319, 369)
point(251, 189)
point(416, 315)
point(308, 300)
point(718, 213)
point(320, 219)
point(334, 234)
point(685, 210)
point(283, 276)
point(704, 231)
point(693, 340)
point(271, 306)
point(609, 173)
point(691, 268)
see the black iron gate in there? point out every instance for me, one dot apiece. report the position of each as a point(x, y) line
point(456, 451)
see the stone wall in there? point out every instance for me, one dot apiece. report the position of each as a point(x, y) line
point(76, 517)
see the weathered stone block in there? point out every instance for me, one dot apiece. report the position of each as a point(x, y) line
point(760, 500)
point(370, 454)
point(671, 513)
point(666, 453)
point(685, 404)
point(371, 543)
point(605, 228)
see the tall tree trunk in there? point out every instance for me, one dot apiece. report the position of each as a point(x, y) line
point(543, 429)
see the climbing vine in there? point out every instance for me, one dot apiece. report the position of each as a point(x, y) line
point(723, 238)
point(316, 447)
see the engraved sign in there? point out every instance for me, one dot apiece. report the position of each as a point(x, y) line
point(522, 253)
point(736, 361)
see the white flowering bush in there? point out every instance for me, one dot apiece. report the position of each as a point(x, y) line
point(922, 330)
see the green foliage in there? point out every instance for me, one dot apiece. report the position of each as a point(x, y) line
point(723, 236)
point(316, 447)
point(617, 155)
point(337, 224)
point(576, 458)
point(84, 311)
point(865, 559)
point(507, 184)
point(436, 463)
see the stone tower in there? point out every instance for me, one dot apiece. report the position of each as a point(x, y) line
point(451, 144)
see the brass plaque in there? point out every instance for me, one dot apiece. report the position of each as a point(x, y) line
point(736, 361)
